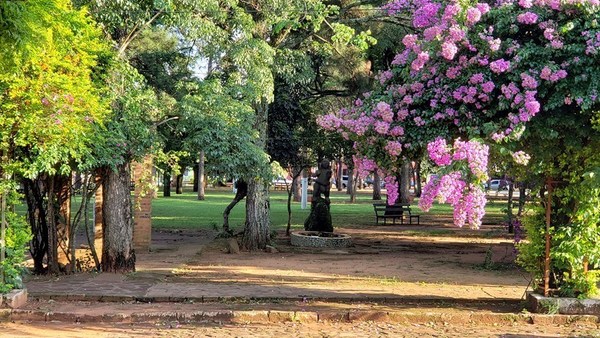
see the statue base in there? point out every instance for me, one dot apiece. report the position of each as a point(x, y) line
point(320, 217)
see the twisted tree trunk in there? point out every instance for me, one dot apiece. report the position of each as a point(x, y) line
point(241, 192)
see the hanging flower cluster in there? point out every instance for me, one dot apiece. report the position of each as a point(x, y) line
point(474, 70)
point(468, 199)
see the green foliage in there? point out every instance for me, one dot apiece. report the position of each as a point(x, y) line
point(129, 133)
point(48, 99)
point(575, 245)
point(215, 122)
point(550, 306)
point(18, 236)
point(531, 252)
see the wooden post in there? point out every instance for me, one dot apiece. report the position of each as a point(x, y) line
point(547, 253)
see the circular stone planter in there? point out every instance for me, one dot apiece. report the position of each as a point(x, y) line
point(316, 239)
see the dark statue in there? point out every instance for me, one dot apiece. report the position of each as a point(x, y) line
point(322, 182)
point(320, 216)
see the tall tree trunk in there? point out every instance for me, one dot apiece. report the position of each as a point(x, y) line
point(339, 174)
point(418, 188)
point(241, 192)
point(36, 216)
point(256, 230)
point(376, 187)
point(201, 185)
point(404, 183)
point(296, 188)
point(64, 227)
point(352, 183)
point(522, 198)
point(167, 184)
point(52, 255)
point(118, 254)
point(179, 184)
point(509, 207)
point(290, 190)
point(195, 178)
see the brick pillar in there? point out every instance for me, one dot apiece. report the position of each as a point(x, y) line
point(98, 232)
point(142, 210)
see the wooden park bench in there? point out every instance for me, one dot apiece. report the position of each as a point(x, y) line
point(396, 211)
point(279, 186)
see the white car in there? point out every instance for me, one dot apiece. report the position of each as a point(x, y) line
point(497, 184)
point(345, 182)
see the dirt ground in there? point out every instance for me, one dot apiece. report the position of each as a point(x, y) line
point(432, 261)
point(277, 330)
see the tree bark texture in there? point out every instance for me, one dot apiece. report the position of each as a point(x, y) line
point(522, 197)
point(339, 175)
point(195, 178)
point(404, 183)
point(290, 190)
point(36, 216)
point(418, 187)
point(64, 229)
point(167, 184)
point(48, 215)
point(118, 254)
point(201, 185)
point(509, 207)
point(256, 230)
point(179, 184)
point(376, 187)
point(296, 188)
point(352, 185)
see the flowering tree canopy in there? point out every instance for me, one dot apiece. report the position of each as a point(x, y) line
point(476, 73)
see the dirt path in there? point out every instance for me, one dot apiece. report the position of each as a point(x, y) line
point(277, 330)
point(415, 261)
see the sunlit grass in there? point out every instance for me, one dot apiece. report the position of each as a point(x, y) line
point(186, 211)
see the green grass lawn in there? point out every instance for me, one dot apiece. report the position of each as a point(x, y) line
point(185, 211)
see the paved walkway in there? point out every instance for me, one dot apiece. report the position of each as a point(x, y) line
point(188, 281)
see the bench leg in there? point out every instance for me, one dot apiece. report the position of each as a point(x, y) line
point(416, 217)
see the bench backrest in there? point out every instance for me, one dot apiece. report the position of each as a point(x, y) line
point(391, 210)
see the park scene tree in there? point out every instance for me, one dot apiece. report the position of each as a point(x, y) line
point(438, 106)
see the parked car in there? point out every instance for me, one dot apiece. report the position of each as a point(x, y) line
point(497, 184)
point(345, 182)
